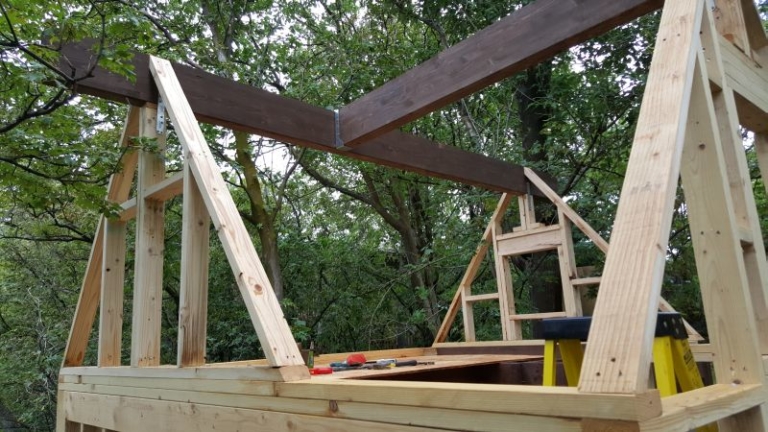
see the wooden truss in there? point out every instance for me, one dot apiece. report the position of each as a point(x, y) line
point(530, 237)
point(708, 76)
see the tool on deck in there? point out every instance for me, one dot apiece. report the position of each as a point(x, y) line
point(320, 370)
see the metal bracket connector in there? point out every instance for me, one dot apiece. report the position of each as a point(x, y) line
point(160, 126)
point(337, 132)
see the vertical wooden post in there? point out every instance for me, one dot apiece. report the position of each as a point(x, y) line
point(723, 275)
point(565, 255)
point(511, 329)
point(193, 299)
point(148, 273)
point(739, 182)
point(112, 286)
point(88, 302)
point(618, 354)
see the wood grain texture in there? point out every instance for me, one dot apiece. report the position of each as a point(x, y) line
point(440, 419)
point(274, 334)
point(223, 102)
point(113, 285)
point(132, 414)
point(747, 219)
point(511, 399)
point(523, 39)
point(150, 249)
point(193, 298)
point(739, 22)
point(471, 272)
point(687, 411)
point(618, 354)
point(90, 291)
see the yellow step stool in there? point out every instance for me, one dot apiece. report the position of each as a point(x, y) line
point(673, 361)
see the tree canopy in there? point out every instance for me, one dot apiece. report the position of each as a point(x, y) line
point(362, 256)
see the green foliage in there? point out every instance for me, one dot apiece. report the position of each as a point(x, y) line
point(370, 257)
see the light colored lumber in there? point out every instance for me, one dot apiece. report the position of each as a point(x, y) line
point(150, 245)
point(193, 296)
point(739, 22)
point(563, 207)
point(129, 414)
point(538, 316)
point(717, 248)
point(687, 411)
point(618, 353)
point(748, 77)
point(90, 291)
point(164, 190)
point(593, 280)
point(274, 334)
point(245, 387)
point(258, 373)
point(567, 262)
point(747, 220)
point(471, 271)
point(526, 242)
point(489, 344)
point(113, 285)
point(593, 235)
point(511, 330)
point(511, 399)
point(481, 297)
point(383, 413)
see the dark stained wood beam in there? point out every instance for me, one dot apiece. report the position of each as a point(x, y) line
point(220, 101)
point(523, 39)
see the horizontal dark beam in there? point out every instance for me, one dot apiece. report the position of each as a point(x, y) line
point(523, 39)
point(224, 102)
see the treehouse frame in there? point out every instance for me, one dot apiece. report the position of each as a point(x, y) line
point(707, 77)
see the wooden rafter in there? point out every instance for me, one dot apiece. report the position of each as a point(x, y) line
point(271, 327)
point(618, 354)
point(220, 101)
point(513, 44)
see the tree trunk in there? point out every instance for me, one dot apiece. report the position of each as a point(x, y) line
point(259, 216)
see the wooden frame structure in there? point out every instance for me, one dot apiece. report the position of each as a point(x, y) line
point(708, 76)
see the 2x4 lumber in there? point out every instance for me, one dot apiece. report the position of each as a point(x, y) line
point(538, 316)
point(618, 354)
point(481, 297)
point(471, 272)
point(739, 22)
point(255, 373)
point(687, 411)
point(164, 190)
point(567, 261)
point(150, 245)
point(244, 387)
point(128, 414)
point(90, 291)
point(511, 399)
point(749, 79)
point(563, 207)
point(594, 280)
point(263, 307)
point(530, 35)
point(112, 289)
point(739, 182)
point(193, 298)
point(437, 418)
point(511, 330)
point(223, 102)
point(725, 286)
point(525, 242)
